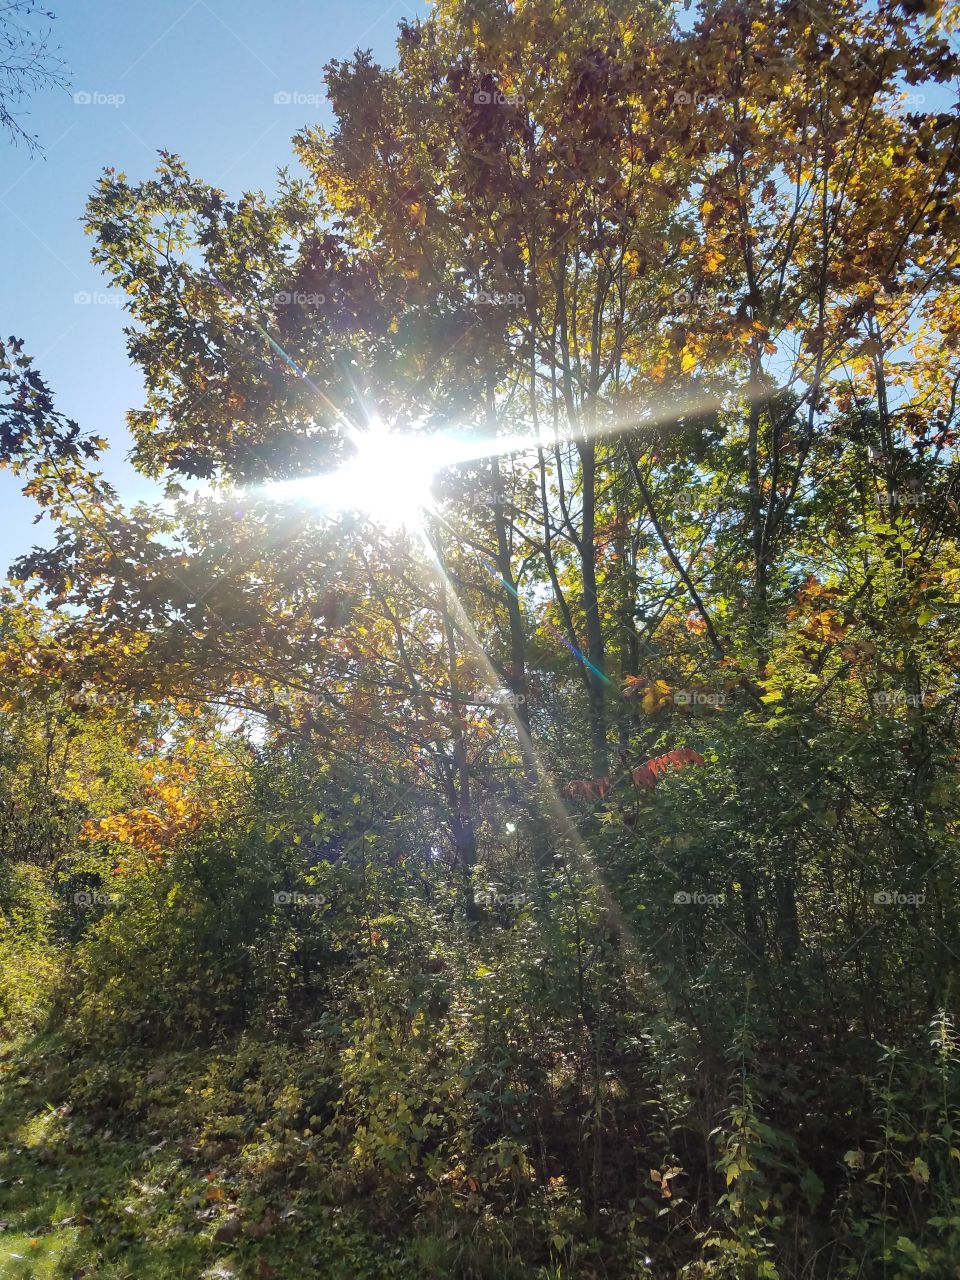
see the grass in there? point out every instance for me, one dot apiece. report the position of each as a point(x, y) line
point(81, 1197)
point(125, 1169)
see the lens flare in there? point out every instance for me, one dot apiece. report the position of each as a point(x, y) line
point(389, 477)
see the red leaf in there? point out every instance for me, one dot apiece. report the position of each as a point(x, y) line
point(580, 788)
point(646, 774)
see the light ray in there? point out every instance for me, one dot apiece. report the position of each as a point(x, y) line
point(560, 818)
point(415, 464)
point(577, 653)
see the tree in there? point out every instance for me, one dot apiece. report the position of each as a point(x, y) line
point(672, 655)
point(28, 62)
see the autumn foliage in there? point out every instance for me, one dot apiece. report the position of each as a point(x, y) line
point(561, 883)
point(643, 776)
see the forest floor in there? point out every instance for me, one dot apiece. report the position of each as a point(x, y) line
point(182, 1165)
point(131, 1187)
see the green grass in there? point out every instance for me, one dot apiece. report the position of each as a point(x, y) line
point(124, 1167)
point(124, 1185)
point(82, 1197)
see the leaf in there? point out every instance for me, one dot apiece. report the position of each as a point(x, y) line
point(812, 1188)
point(643, 776)
point(906, 1245)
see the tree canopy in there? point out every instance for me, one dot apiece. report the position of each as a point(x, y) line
point(604, 717)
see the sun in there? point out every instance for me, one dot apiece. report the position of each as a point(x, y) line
point(390, 477)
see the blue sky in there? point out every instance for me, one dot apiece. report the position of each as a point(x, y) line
point(197, 77)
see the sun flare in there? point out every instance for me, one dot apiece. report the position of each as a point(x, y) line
point(390, 477)
point(390, 474)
